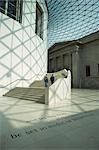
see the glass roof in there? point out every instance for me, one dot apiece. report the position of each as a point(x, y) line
point(71, 19)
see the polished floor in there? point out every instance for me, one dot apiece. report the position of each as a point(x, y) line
point(74, 125)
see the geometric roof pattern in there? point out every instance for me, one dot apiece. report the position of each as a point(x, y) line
point(71, 19)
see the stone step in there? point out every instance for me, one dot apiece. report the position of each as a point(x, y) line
point(32, 98)
point(24, 94)
point(25, 90)
point(36, 93)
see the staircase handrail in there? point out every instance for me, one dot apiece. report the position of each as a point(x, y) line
point(16, 81)
point(11, 83)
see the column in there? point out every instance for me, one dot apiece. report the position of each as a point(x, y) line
point(75, 67)
point(61, 62)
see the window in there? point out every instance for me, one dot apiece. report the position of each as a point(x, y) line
point(87, 71)
point(2, 6)
point(98, 68)
point(13, 8)
point(39, 21)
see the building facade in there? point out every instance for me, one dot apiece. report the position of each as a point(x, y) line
point(81, 57)
point(23, 42)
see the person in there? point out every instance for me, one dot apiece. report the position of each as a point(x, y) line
point(46, 80)
point(52, 79)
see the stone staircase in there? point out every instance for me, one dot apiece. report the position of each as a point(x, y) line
point(36, 91)
point(36, 94)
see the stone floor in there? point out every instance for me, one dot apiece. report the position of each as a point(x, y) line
point(26, 125)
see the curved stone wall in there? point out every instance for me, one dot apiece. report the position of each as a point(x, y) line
point(23, 54)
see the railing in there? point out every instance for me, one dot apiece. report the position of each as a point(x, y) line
point(18, 82)
point(11, 83)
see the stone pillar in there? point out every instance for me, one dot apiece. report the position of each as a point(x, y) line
point(70, 61)
point(54, 63)
point(75, 67)
point(61, 62)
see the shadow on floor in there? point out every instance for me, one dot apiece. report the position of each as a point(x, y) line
point(75, 132)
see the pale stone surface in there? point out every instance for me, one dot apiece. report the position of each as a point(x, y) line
point(26, 125)
point(60, 91)
point(23, 54)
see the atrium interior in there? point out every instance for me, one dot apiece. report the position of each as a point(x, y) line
point(41, 38)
